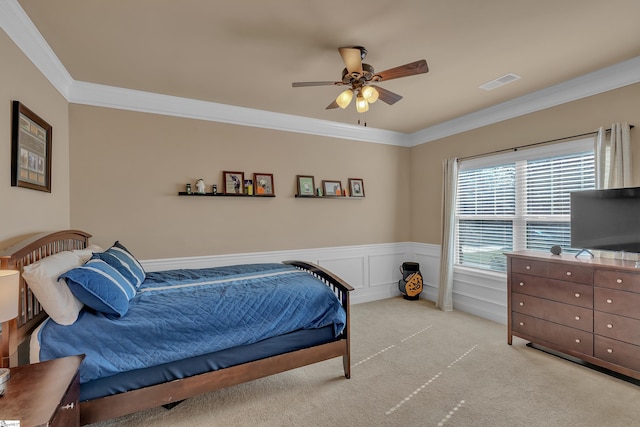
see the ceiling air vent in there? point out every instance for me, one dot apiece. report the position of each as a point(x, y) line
point(500, 81)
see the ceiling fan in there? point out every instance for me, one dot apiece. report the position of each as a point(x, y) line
point(360, 78)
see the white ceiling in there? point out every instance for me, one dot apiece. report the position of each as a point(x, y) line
point(246, 53)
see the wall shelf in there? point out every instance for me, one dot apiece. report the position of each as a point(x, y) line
point(257, 196)
point(298, 196)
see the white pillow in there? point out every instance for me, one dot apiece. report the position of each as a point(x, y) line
point(56, 298)
point(86, 254)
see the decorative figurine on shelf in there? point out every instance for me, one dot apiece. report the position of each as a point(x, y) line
point(188, 188)
point(214, 189)
point(200, 186)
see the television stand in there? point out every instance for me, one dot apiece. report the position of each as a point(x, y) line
point(587, 251)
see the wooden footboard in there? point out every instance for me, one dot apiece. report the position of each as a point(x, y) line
point(31, 315)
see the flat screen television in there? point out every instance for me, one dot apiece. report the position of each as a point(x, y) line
point(606, 219)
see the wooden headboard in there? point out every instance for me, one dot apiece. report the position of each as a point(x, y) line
point(30, 312)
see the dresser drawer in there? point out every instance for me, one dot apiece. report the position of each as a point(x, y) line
point(571, 273)
point(617, 302)
point(565, 314)
point(562, 336)
point(528, 266)
point(618, 352)
point(622, 280)
point(617, 327)
point(557, 290)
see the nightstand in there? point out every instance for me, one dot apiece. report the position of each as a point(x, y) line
point(44, 394)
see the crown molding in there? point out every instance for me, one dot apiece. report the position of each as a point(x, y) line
point(15, 22)
point(18, 26)
point(133, 100)
point(603, 80)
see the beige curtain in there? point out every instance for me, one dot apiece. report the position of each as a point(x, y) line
point(613, 157)
point(447, 254)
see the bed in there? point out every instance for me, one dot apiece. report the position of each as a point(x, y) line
point(130, 387)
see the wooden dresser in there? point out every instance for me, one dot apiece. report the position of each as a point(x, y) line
point(582, 307)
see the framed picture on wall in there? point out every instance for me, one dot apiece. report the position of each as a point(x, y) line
point(30, 150)
point(263, 183)
point(306, 185)
point(356, 187)
point(332, 188)
point(233, 182)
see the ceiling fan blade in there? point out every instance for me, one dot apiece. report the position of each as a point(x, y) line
point(387, 96)
point(352, 59)
point(305, 84)
point(413, 68)
point(334, 104)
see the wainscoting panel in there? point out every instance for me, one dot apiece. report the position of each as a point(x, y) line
point(374, 271)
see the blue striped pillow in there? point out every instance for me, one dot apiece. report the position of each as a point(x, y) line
point(118, 257)
point(101, 287)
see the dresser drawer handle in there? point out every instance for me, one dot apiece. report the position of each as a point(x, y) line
point(609, 350)
point(521, 283)
point(577, 317)
point(618, 281)
point(521, 303)
point(609, 325)
point(578, 340)
point(68, 406)
point(577, 295)
point(609, 300)
point(568, 273)
point(521, 323)
point(528, 267)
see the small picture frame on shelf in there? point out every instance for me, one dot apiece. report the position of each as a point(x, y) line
point(306, 185)
point(233, 182)
point(356, 187)
point(263, 184)
point(331, 188)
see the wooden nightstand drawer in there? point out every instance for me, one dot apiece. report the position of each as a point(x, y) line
point(617, 302)
point(617, 327)
point(571, 273)
point(622, 280)
point(528, 266)
point(557, 290)
point(620, 353)
point(564, 314)
point(553, 333)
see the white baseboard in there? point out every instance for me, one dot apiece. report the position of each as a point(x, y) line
point(374, 272)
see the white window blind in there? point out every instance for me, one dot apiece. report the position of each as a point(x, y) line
point(519, 200)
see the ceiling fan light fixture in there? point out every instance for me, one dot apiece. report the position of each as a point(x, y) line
point(344, 99)
point(362, 106)
point(370, 94)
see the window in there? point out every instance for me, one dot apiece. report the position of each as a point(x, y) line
point(519, 200)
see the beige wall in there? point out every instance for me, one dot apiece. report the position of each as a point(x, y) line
point(127, 168)
point(22, 211)
point(573, 118)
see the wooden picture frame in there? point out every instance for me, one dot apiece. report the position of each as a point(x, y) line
point(356, 187)
point(30, 149)
point(306, 185)
point(233, 182)
point(331, 188)
point(263, 184)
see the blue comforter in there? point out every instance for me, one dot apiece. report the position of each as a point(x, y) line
point(183, 313)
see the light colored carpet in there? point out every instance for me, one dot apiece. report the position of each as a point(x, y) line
point(414, 365)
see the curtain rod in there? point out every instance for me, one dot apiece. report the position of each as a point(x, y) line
point(505, 150)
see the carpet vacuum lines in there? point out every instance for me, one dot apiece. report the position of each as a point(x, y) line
point(451, 413)
point(378, 353)
point(431, 380)
point(412, 395)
